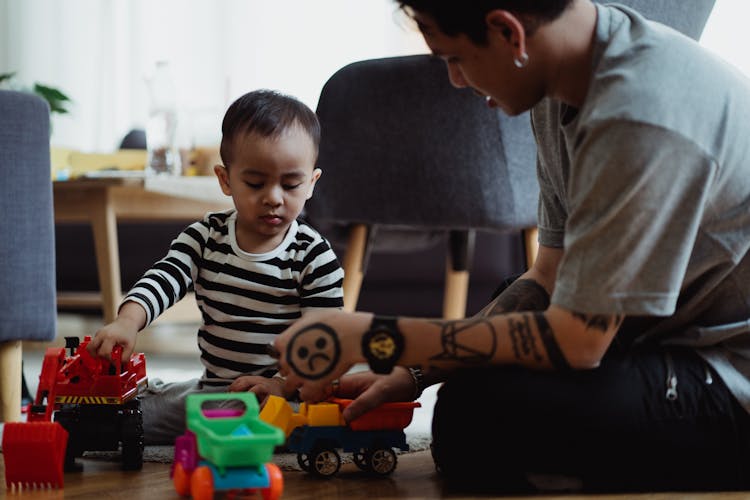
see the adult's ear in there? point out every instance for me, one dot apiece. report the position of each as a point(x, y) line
point(508, 26)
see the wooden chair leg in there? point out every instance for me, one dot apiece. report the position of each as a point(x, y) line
point(461, 249)
point(10, 381)
point(353, 264)
point(456, 289)
point(531, 245)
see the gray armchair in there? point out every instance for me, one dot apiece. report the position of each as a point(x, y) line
point(27, 251)
point(408, 159)
point(686, 16)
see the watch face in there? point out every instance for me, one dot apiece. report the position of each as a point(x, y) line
point(382, 345)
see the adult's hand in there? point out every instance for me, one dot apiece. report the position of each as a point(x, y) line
point(369, 390)
point(319, 348)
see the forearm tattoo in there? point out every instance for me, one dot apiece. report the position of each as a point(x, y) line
point(460, 338)
point(523, 340)
point(521, 295)
point(554, 353)
point(600, 322)
point(454, 349)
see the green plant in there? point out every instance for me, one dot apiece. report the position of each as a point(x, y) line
point(57, 100)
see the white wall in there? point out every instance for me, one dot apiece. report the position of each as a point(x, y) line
point(98, 52)
point(727, 32)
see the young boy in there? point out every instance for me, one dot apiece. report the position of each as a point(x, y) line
point(254, 269)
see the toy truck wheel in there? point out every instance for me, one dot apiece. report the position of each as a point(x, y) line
point(303, 459)
point(276, 483)
point(132, 440)
point(382, 461)
point(181, 480)
point(325, 462)
point(68, 418)
point(360, 460)
point(202, 484)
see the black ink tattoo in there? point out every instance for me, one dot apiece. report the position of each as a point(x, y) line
point(554, 353)
point(521, 295)
point(600, 322)
point(523, 340)
point(454, 350)
point(314, 351)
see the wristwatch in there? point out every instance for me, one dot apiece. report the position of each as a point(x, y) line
point(382, 344)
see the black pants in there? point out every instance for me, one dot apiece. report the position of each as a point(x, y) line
point(613, 427)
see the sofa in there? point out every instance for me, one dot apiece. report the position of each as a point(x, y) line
point(27, 249)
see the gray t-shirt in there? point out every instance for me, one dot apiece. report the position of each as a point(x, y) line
point(647, 188)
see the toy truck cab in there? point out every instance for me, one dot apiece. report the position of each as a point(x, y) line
point(95, 401)
point(83, 403)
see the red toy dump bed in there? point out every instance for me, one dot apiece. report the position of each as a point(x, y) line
point(388, 416)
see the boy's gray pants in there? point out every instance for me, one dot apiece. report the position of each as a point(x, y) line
point(163, 407)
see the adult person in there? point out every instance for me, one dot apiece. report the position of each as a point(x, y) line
point(621, 358)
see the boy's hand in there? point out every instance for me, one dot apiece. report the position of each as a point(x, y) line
point(122, 331)
point(262, 387)
point(110, 335)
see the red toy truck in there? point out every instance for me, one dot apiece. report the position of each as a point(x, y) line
point(94, 406)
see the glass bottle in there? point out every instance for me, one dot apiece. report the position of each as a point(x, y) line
point(162, 123)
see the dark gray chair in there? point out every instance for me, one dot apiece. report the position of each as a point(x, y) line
point(134, 139)
point(686, 16)
point(27, 248)
point(408, 158)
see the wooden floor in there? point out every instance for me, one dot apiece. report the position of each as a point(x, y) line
point(414, 478)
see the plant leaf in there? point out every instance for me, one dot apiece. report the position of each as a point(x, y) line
point(54, 97)
point(7, 76)
point(50, 92)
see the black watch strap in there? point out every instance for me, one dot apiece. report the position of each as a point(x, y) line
point(382, 344)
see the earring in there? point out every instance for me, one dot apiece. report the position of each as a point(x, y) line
point(522, 61)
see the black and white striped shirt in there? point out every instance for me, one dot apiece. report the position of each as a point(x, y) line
point(245, 299)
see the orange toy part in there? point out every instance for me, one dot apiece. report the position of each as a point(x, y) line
point(181, 480)
point(34, 454)
point(276, 480)
point(388, 416)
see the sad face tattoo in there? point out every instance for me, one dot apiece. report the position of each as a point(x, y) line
point(314, 351)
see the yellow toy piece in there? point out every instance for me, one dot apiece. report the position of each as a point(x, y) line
point(322, 414)
point(279, 413)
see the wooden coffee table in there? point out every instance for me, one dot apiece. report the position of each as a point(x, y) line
point(103, 202)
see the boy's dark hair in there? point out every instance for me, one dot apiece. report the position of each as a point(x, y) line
point(467, 17)
point(267, 113)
